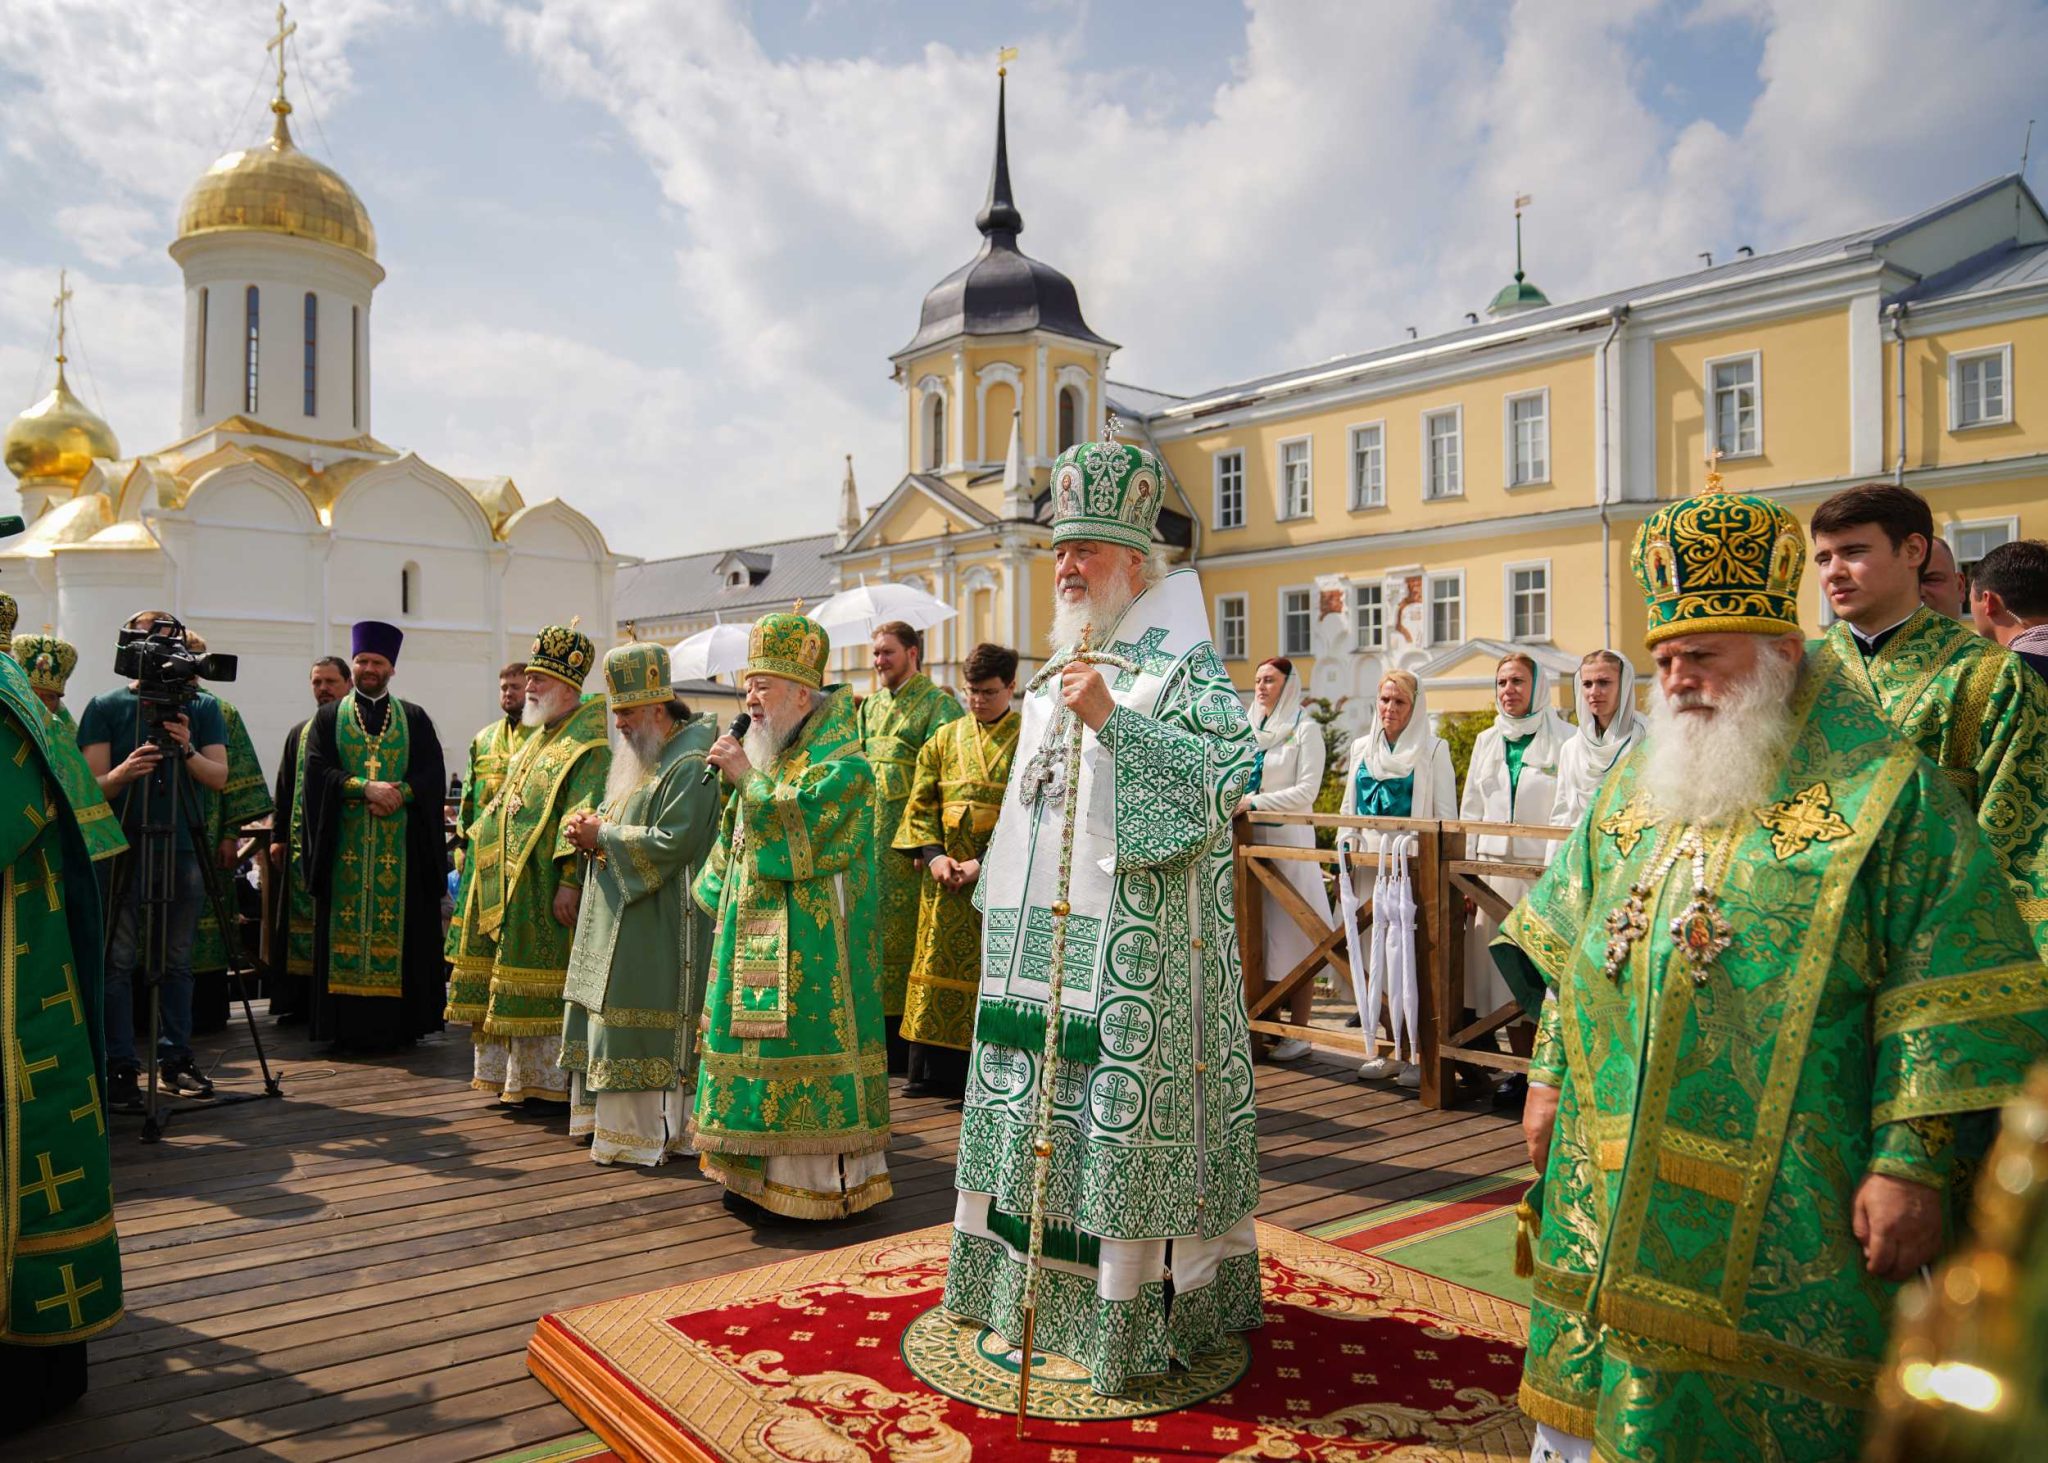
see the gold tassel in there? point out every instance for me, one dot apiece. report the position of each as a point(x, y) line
point(1526, 1221)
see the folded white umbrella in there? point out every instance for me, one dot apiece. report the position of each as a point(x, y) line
point(711, 653)
point(868, 605)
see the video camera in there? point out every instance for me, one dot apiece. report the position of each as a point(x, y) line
point(165, 671)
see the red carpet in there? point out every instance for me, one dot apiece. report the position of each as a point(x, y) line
point(1360, 1359)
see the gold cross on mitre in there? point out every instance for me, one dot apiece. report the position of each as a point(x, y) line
point(1714, 483)
point(276, 43)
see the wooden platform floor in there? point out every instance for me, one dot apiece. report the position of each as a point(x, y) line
point(354, 1270)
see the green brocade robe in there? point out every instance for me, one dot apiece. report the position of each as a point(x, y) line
point(792, 1060)
point(1977, 712)
point(894, 726)
point(1696, 1276)
point(636, 971)
point(244, 799)
point(509, 954)
point(97, 824)
point(490, 755)
point(60, 1261)
point(955, 794)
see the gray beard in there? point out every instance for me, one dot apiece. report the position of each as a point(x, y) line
point(1098, 612)
point(1714, 769)
point(549, 708)
point(635, 754)
point(765, 740)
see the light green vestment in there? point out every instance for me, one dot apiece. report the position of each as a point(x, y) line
point(894, 726)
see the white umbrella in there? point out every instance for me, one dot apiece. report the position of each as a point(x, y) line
point(710, 653)
point(868, 605)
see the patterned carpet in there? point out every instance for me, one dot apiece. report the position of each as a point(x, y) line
point(1464, 1234)
point(841, 1356)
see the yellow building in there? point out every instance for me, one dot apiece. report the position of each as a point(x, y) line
point(1429, 504)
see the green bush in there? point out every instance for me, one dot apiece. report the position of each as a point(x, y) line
point(1460, 729)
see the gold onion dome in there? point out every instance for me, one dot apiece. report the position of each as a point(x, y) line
point(274, 188)
point(56, 440)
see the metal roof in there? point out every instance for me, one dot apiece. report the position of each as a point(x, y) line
point(2008, 267)
point(661, 589)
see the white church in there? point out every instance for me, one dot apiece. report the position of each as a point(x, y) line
point(277, 519)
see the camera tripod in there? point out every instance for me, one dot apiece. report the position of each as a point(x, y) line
point(154, 861)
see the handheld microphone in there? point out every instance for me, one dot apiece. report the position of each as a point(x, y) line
point(736, 731)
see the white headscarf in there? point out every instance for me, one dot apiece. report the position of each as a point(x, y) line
point(1604, 748)
point(1280, 723)
point(1540, 721)
point(1399, 760)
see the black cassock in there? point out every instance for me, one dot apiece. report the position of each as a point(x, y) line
point(288, 991)
point(374, 1022)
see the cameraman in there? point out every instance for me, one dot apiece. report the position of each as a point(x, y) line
point(116, 741)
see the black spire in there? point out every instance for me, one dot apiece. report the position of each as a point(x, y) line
point(999, 215)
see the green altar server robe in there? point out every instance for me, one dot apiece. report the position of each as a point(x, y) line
point(60, 1263)
point(490, 755)
point(97, 824)
point(1696, 1276)
point(894, 726)
point(636, 971)
point(955, 794)
point(244, 799)
point(792, 1062)
point(1978, 713)
point(513, 955)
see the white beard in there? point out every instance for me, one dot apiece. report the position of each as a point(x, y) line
point(1098, 611)
point(634, 755)
point(549, 707)
point(1712, 769)
point(765, 740)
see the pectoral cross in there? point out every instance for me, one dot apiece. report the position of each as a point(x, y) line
point(376, 764)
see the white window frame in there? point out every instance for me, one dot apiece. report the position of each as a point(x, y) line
point(2010, 527)
point(1956, 362)
point(1242, 604)
point(1216, 487)
point(1379, 641)
point(1357, 503)
point(1281, 510)
point(1457, 413)
point(1756, 380)
point(1507, 434)
point(1507, 599)
point(1429, 584)
point(1309, 635)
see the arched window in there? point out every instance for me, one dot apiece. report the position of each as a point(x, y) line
point(199, 375)
point(1070, 416)
point(250, 303)
point(312, 352)
point(409, 590)
point(934, 432)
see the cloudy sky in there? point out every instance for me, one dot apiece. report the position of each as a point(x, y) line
point(651, 255)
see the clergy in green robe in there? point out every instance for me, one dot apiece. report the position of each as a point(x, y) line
point(955, 794)
point(245, 800)
point(636, 971)
point(288, 976)
point(60, 1261)
point(1780, 974)
point(1149, 1254)
point(896, 720)
point(490, 757)
point(1972, 707)
point(48, 663)
point(525, 881)
point(792, 1104)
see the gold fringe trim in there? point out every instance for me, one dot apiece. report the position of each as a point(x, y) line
point(796, 1204)
point(768, 1145)
point(521, 1028)
point(1701, 1175)
point(760, 1030)
point(1526, 1222)
point(1661, 1323)
point(1567, 1417)
point(392, 992)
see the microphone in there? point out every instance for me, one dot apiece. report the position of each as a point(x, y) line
point(736, 731)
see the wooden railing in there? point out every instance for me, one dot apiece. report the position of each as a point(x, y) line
point(1445, 876)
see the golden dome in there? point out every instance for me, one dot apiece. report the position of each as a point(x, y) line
point(55, 441)
point(277, 189)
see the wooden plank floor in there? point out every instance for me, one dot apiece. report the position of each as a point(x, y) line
point(354, 1270)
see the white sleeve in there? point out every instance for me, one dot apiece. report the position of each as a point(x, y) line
point(1308, 775)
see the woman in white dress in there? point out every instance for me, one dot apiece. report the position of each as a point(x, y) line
point(1398, 769)
point(1289, 775)
point(1512, 779)
point(1609, 725)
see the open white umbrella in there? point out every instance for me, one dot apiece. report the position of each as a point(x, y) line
point(710, 653)
point(868, 605)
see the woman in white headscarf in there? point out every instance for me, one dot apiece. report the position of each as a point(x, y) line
point(1398, 769)
point(1609, 726)
point(1289, 775)
point(1512, 779)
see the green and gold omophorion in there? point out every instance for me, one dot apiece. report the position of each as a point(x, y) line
point(955, 794)
point(792, 1106)
point(894, 727)
point(1695, 1273)
point(1978, 713)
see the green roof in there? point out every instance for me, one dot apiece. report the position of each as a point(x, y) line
point(1520, 295)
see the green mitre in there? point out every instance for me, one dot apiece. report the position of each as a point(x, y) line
point(562, 651)
point(1108, 491)
point(793, 646)
point(1720, 562)
point(637, 674)
point(48, 661)
point(10, 615)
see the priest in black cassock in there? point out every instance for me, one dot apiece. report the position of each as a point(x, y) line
point(288, 979)
point(374, 845)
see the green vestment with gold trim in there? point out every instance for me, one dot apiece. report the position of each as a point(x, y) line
point(512, 954)
point(60, 1261)
point(244, 799)
point(1976, 711)
point(636, 970)
point(894, 726)
point(792, 1062)
point(490, 755)
point(1696, 1276)
point(955, 794)
point(97, 824)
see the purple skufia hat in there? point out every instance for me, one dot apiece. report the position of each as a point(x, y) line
point(374, 637)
